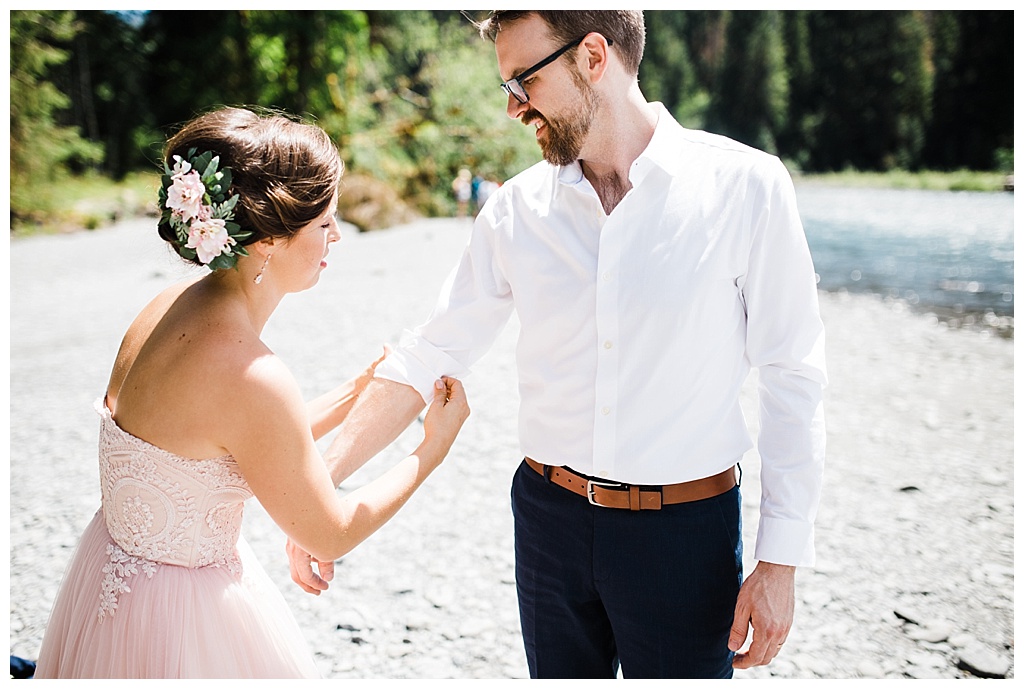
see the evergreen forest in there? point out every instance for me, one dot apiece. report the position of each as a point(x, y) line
point(412, 96)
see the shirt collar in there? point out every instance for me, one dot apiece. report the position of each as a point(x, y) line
point(658, 153)
point(661, 150)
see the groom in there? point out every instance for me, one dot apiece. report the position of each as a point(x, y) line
point(650, 267)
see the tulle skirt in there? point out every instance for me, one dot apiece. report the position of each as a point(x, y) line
point(179, 623)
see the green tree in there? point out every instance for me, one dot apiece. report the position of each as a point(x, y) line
point(105, 77)
point(874, 88)
point(668, 73)
point(973, 102)
point(751, 100)
point(42, 149)
point(798, 138)
point(425, 101)
point(197, 59)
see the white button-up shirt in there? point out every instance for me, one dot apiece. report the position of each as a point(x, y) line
point(638, 328)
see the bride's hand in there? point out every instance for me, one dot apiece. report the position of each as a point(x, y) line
point(364, 378)
point(301, 565)
point(445, 417)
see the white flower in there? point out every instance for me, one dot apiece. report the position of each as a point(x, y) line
point(180, 166)
point(210, 239)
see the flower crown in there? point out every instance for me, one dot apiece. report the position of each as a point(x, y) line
point(193, 204)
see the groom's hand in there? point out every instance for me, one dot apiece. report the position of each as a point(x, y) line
point(301, 564)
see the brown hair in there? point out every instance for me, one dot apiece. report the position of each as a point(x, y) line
point(285, 172)
point(625, 28)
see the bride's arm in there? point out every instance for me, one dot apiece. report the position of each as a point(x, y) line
point(264, 432)
point(383, 410)
point(331, 408)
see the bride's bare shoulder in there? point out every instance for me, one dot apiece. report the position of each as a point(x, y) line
point(142, 327)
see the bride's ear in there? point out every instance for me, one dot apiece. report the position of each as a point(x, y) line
point(263, 247)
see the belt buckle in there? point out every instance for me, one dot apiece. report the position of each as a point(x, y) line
point(603, 484)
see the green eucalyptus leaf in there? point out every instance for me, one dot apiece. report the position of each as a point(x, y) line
point(222, 261)
point(210, 169)
point(201, 162)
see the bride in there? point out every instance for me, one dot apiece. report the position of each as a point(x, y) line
point(200, 415)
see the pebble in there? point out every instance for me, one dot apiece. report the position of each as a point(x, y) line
point(932, 632)
point(983, 662)
point(431, 595)
point(871, 669)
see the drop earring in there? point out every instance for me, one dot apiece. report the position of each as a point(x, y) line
point(259, 276)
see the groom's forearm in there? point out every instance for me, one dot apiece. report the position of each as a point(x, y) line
point(384, 409)
point(327, 411)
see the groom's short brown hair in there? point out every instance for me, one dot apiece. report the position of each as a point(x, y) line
point(625, 28)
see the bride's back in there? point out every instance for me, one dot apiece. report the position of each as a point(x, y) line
point(174, 370)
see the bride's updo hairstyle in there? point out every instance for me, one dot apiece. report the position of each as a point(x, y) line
point(284, 172)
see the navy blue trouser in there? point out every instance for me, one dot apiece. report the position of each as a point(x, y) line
point(653, 590)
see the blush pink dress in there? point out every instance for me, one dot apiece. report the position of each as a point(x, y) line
point(162, 585)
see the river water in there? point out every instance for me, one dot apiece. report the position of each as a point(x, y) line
point(946, 253)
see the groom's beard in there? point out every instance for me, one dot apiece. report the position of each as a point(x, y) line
point(565, 136)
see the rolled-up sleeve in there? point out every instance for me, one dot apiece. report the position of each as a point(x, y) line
point(473, 306)
point(786, 343)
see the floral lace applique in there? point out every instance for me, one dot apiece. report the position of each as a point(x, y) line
point(222, 520)
point(119, 569)
point(137, 515)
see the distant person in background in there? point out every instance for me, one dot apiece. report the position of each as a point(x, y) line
point(650, 267)
point(200, 415)
point(484, 190)
point(462, 188)
point(474, 195)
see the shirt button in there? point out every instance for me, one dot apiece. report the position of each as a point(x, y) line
point(608, 344)
point(607, 277)
point(606, 411)
point(603, 474)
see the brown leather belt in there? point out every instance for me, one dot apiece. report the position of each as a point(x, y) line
point(625, 496)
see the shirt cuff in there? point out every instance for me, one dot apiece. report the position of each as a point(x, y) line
point(418, 363)
point(785, 542)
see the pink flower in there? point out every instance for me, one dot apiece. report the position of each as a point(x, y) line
point(209, 238)
point(185, 197)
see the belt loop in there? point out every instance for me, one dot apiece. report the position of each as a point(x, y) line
point(739, 481)
point(547, 472)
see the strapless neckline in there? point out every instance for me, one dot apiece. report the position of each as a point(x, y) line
point(108, 418)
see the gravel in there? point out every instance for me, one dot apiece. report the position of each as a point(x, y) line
point(915, 532)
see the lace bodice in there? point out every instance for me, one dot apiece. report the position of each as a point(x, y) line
point(162, 508)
